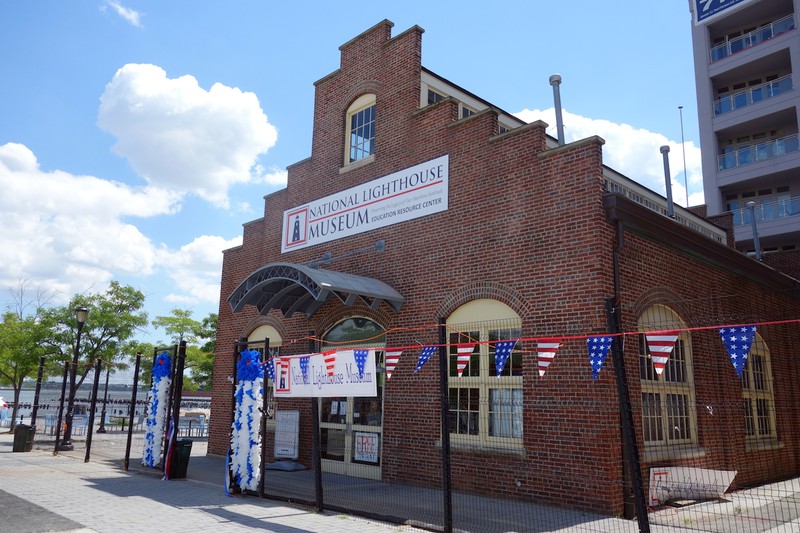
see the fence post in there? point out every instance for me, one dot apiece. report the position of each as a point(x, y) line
point(132, 412)
point(61, 407)
point(36, 394)
point(444, 392)
point(316, 445)
point(263, 428)
point(92, 406)
point(628, 429)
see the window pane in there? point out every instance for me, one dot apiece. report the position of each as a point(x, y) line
point(678, 417)
point(464, 407)
point(651, 417)
point(505, 413)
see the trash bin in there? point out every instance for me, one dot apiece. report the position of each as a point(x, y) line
point(23, 438)
point(180, 458)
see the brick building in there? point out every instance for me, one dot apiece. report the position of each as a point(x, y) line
point(500, 232)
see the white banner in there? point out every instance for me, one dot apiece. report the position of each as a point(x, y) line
point(401, 196)
point(350, 373)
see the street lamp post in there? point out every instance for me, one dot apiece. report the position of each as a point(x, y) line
point(102, 428)
point(66, 444)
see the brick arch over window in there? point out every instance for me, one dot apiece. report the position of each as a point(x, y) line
point(661, 296)
point(488, 290)
point(360, 89)
point(262, 320)
point(339, 313)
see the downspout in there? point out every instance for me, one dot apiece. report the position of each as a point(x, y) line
point(631, 467)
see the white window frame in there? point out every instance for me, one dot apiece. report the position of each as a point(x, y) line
point(674, 410)
point(480, 318)
point(357, 147)
point(275, 342)
point(758, 395)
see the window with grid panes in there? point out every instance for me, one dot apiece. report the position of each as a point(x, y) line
point(485, 409)
point(668, 405)
point(361, 128)
point(759, 405)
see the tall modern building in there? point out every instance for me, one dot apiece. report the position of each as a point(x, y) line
point(746, 53)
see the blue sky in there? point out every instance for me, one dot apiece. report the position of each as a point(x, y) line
point(136, 137)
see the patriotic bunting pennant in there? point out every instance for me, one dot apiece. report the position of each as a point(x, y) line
point(304, 367)
point(361, 360)
point(598, 350)
point(270, 364)
point(464, 355)
point(546, 351)
point(501, 352)
point(660, 346)
point(330, 361)
point(424, 355)
point(392, 358)
point(737, 341)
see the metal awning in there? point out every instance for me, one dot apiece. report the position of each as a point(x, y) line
point(293, 287)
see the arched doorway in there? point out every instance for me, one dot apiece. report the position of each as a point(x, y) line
point(351, 429)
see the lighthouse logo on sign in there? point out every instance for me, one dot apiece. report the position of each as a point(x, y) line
point(297, 227)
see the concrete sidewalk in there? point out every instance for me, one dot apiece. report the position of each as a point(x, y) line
point(42, 492)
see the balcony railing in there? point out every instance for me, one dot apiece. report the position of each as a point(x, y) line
point(748, 40)
point(763, 211)
point(752, 95)
point(758, 152)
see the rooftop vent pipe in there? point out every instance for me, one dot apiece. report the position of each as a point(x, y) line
point(555, 81)
point(668, 180)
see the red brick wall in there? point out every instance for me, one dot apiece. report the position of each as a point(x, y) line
point(525, 226)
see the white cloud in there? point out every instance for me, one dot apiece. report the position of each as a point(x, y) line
point(179, 136)
point(70, 234)
point(131, 16)
point(636, 153)
point(196, 268)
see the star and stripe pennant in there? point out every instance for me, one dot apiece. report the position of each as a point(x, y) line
point(424, 355)
point(737, 341)
point(598, 350)
point(304, 367)
point(270, 368)
point(546, 351)
point(391, 360)
point(502, 350)
point(661, 345)
point(361, 360)
point(330, 361)
point(464, 353)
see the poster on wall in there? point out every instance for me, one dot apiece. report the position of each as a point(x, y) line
point(366, 447)
point(353, 373)
point(287, 434)
point(410, 193)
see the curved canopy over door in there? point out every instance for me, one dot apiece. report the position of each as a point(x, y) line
point(294, 287)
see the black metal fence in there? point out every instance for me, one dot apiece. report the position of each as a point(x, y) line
point(682, 444)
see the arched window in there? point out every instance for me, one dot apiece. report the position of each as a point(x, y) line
point(759, 404)
point(669, 416)
point(485, 409)
point(360, 129)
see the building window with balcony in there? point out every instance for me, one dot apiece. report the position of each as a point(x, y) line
point(360, 129)
point(486, 410)
point(669, 417)
point(759, 404)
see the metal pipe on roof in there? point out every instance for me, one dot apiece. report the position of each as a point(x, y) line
point(668, 180)
point(555, 81)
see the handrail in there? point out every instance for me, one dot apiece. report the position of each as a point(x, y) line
point(752, 95)
point(755, 152)
point(750, 39)
point(765, 211)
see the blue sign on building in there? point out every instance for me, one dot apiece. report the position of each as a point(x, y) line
point(705, 9)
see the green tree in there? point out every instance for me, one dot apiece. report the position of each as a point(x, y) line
point(22, 332)
point(199, 362)
point(115, 316)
